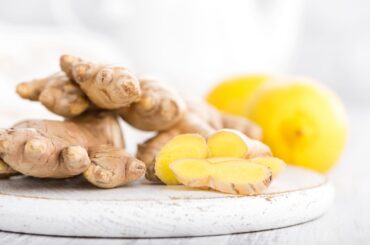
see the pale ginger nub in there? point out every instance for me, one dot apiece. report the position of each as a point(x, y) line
point(107, 86)
point(235, 177)
point(158, 108)
point(57, 149)
point(111, 167)
point(57, 93)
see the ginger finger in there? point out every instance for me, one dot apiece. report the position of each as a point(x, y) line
point(6, 171)
point(75, 159)
point(57, 93)
point(57, 149)
point(232, 143)
point(181, 146)
point(108, 87)
point(31, 90)
point(159, 107)
point(111, 167)
point(235, 177)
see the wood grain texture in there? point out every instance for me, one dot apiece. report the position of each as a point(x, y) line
point(73, 208)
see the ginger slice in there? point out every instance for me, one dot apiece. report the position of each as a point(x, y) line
point(193, 172)
point(180, 147)
point(235, 177)
point(223, 159)
point(276, 165)
point(232, 143)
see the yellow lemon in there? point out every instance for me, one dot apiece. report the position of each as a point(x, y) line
point(303, 122)
point(232, 95)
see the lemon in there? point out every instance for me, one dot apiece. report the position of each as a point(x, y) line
point(304, 123)
point(232, 95)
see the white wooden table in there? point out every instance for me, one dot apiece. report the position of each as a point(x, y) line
point(347, 222)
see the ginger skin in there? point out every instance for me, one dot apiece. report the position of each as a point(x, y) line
point(6, 171)
point(57, 149)
point(57, 93)
point(91, 144)
point(111, 167)
point(144, 103)
point(108, 87)
point(158, 108)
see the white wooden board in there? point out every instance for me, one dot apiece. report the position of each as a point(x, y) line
point(74, 208)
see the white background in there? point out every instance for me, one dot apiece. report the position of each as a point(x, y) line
point(327, 40)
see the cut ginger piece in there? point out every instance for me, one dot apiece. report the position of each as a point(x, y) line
point(223, 159)
point(193, 172)
point(276, 165)
point(180, 147)
point(235, 177)
point(232, 143)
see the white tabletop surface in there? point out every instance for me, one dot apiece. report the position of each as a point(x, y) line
point(347, 222)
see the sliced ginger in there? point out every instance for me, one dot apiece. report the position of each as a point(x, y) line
point(236, 176)
point(232, 143)
point(180, 147)
point(276, 165)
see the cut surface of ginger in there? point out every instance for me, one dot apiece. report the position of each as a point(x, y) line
point(223, 159)
point(232, 143)
point(180, 147)
point(276, 165)
point(227, 143)
point(236, 176)
point(192, 172)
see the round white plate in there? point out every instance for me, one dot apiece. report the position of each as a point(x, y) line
point(74, 208)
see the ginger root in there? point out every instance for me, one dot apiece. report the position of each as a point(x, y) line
point(108, 87)
point(91, 144)
point(83, 88)
point(144, 103)
point(181, 146)
point(158, 108)
point(236, 177)
point(57, 149)
point(57, 93)
point(200, 118)
point(112, 166)
point(224, 144)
